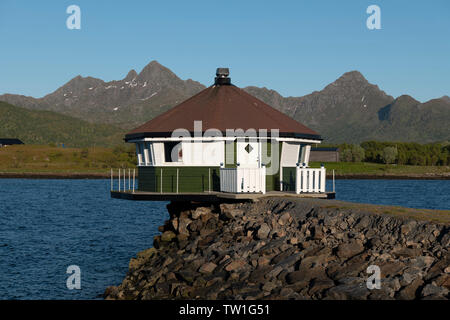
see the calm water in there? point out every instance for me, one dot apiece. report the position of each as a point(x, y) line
point(47, 225)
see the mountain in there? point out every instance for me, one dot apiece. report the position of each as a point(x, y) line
point(45, 127)
point(124, 102)
point(345, 110)
point(352, 110)
point(348, 110)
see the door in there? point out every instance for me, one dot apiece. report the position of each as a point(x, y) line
point(248, 154)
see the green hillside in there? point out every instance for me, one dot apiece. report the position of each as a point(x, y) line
point(47, 127)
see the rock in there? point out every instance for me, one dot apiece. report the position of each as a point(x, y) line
point(348, 250)
point(111, 292)
point(286, 292)
point(263, 231)
point(263, 261)
point(407, 252)
point(348, 292)
point(168, 236)
point(409, 292)
point(408, 227)
point(235, 265)
point(422, 262)
point(207, 267)
point(285, 219)
point(320, 285)
point(443, 281)
point(183, 223)
point(269, 286)
point(294, 277)
point(217, 252)
point(391, 269)
point(198, 212)
point(317, 232)
point(432, 290)
point(230, 212)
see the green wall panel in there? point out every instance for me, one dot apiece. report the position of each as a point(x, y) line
point(289, 178)
point(190, 179)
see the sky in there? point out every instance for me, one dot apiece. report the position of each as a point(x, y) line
point(294, 47)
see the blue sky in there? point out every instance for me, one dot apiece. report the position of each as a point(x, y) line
point(294, 47)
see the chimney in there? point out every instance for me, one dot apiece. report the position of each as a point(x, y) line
point(222, 76)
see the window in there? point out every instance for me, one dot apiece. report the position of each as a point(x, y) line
point(148, 153)
point(140, 153)
point(301, 154)
point(173, 151)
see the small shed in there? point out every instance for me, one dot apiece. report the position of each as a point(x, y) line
point(224, 140)
point(319, 154)
point(9, 142)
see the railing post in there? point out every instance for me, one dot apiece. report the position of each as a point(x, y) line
point(161, 180)
point(134, 179)
point(333, 180)
point(119, 179)
point(129, 179)
point(177, 178)
point(209, 179)
point(111, 179)
point(124, 180)
point(323, 174)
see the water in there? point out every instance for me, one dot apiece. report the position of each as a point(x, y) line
point(47, 225)
point(422, 194)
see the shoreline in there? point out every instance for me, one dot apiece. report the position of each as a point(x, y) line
point(98, 175)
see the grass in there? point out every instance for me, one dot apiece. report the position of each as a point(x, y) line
point(438, 216)
point(48, 159)
point(380, 169)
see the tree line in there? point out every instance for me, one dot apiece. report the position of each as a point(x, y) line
point(409, 153)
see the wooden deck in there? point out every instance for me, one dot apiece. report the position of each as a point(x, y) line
point(212, 196)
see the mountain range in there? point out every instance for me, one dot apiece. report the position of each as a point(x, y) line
point(348, 110)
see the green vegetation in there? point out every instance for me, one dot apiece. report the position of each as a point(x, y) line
point(380, 168)
point(46, 127)
point(401, 153)
point(33, 159)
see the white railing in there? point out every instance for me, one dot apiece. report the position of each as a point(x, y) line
point(238, 180)
point(310, 180)
point(126, 180)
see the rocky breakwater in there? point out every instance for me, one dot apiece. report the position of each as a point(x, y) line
point(291, 249)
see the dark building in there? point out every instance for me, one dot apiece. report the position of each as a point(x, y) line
point(9, 142)
point(324, 155)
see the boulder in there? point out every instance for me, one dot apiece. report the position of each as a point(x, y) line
point(263, 231)
point(168, 236)
point(348, 250)
point(207, 267)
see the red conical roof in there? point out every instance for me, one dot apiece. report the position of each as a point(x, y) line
point(222, 107)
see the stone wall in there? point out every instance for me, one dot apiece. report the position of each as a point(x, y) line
point(288, 249)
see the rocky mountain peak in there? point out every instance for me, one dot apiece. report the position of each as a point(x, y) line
point(352, 77)
point(446, 98)
point(154, 70)
point(406, 100)
point(131, 75)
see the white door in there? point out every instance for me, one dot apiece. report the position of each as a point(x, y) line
point(248, 154)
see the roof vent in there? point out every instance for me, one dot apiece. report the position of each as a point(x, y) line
point(222, 76)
